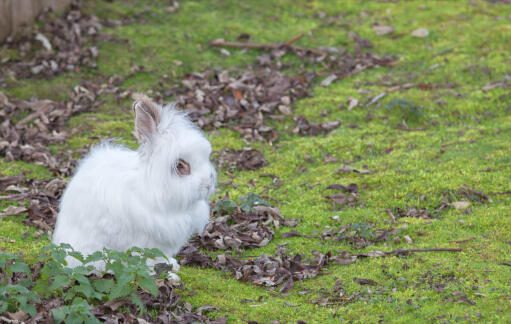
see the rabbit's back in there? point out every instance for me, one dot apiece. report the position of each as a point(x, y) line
point(93, 204)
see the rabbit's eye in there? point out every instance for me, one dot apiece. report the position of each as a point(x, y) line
point(183, 168)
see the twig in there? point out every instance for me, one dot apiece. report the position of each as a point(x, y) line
point(458, 142)
point(222, 43)
point(390, 214)
point(398, 252)
point(376, 98)
point(503, 193)
point(411, 129)
point(292, 40)
point(465, 240)
point(15, 197)
point(506, 264)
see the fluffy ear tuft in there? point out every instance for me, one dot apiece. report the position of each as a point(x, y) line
point(147, 118)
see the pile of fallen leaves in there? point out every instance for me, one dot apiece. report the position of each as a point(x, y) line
point(234, 226)
point(248, 225)
point(281, 268)
point(28, 127)
point(43, 197)
point(240, 230)
point(60, 44)
point(247, 100)
point(245, 159)
point(243, 102)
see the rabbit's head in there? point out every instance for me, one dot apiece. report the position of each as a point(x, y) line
point(174, 154)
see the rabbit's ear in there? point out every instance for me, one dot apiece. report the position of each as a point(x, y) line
point(147, 118)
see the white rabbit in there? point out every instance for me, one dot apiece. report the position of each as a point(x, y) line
point(155, 197)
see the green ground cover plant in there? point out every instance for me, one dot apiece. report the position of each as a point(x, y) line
point(432, 130)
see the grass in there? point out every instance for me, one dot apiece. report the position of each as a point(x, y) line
point(468, 47)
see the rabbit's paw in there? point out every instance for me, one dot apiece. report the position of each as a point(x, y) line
point(173, 278)
point(166, 269)
point(175, 265)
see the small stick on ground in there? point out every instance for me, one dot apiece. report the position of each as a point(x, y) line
point(502, 193)
point(376, 98)
point(399, 252)
point(459, 142)
point(391, 214)
point(465, 240)
point(294, 39)
point(222, 43)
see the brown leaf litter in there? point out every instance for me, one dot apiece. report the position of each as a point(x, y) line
point(461, 198)
point(359, 235)
point(43, 197)
point(339, 200)
point(247, 100)
point(240, 227)
point(243, 102)
point(58, 45)
point(350, 198)
point(337, 296)
point(304, 127)
point(245, 159)
point(28, 127)
point(270, 271)
point(240, 230)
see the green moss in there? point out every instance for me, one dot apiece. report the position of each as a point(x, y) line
point(460, 138)
point(29, 170)
point(19, 238)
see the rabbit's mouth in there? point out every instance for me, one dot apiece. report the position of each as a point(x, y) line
point(207, 191)
point(209, 185)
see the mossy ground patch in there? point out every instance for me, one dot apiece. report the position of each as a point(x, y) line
point(468, 47)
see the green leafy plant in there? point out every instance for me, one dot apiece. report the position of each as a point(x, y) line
point(80, 288)
point(363, 230)
point(405, 109)
point(15, 296)
point(226, 206)
point(251, 200)
point(77, 312)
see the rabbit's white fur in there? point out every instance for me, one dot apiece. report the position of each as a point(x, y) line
point(120, 198)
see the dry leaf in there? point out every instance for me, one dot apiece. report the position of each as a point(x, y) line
point(460, 204)
point(13, 211)
point(363, 281)
point(420, 33)
point(383, 29)
point(328, 80)
point(347, 168)
point(352, 103)
point(237, 94)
